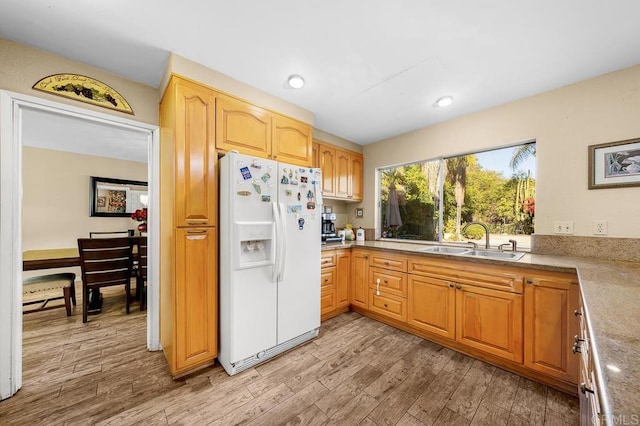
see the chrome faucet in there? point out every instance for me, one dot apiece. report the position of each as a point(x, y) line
point(512, 243)
point(486, 232)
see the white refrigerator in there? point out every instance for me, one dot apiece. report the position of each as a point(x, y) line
point(270, 215)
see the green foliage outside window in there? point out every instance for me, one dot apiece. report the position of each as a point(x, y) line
point(469, 193)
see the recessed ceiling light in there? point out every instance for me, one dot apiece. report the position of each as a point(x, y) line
point(443, 102)
point(296, 82)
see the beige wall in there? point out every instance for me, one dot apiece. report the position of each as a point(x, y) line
point(22, 66)
point(55, 205)
point(186, 68)
point(564, 122)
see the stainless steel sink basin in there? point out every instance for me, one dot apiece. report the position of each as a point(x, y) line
point(507, 255)
point(445, 250)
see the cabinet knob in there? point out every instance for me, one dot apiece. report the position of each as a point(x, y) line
point(576, 348)
point(529, 281)
point(584, 389)
point(366, 256)
point(577, 313)
point(451, 285)
point(459, 287)
point(385, 305)
point(577, 339)
point(326, 280)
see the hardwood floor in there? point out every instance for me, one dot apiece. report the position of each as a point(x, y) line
point(358, 371)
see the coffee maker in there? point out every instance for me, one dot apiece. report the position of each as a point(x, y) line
point(328, 231)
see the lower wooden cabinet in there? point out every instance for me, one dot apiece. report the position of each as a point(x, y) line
point(335, 274)
point(343, 277)
point(432, 305)
point(490, 320)
point(359, 289)
point(193, 340)
point(550, 324)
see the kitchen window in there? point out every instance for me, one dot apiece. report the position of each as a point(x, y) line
point(433, 200)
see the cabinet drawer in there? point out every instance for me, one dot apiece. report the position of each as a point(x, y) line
point(391, 282)
point(327, 259)
point(328, 277)
point(327, 300)
point(388, 261)
point(465, 272)
point(388, 305)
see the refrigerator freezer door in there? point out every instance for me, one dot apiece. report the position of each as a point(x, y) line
point(248, 294)
point(299, 290)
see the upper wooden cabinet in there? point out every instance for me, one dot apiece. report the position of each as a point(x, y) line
point(252, 130)
point(341, 172)
point(327, 161)
point(243, 127)
point(291, 141)
point(188, 121)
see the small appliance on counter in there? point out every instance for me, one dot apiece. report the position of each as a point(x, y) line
point(328, 232)
point(360, 234)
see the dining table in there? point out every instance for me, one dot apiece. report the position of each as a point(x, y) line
point(62, 258)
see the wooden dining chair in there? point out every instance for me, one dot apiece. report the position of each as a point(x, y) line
point(111, 234)
point(141, 279)
point(104, 262)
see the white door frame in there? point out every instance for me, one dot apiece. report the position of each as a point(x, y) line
point(11, 108)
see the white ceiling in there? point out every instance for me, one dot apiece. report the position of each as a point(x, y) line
point(373, 68)
point(41, 129)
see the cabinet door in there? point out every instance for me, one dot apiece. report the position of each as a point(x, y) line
point(243, 127)
point(291, 141)
point(326, 160)
point(342, 174)
point(327, 290)
point(343, 277)
point(356, 192)
point(432, 305)
point(490, 320)
point(195, 156)
point(359, 290)
point(550, 326)
point(196, 312)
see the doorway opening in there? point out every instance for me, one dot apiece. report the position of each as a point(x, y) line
point(22, 135)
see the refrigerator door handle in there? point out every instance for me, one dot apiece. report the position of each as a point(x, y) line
point(283, 246)
point(278, 237)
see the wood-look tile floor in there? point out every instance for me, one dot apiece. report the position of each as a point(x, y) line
point(358, 371)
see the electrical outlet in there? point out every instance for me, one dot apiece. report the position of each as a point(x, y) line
point(563, 227)
point(600, 227)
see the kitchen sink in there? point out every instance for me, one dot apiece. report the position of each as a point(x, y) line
point(506, 255)
point(445, 250)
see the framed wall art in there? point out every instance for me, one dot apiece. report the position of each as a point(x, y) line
point(614, 164)
point(117, 197)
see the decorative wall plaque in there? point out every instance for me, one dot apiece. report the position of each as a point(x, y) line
point(84, 89)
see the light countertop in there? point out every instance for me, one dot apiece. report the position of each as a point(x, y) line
point(611, 293)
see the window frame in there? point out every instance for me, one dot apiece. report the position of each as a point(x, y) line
point(441, 160)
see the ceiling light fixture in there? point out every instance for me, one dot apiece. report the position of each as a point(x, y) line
point(443, 102)
point(296, 82)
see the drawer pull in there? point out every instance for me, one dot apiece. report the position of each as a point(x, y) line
point(385, 281)
point(385, 305)
point(378, 287)
point(577, 313)
point(529, 281)
point(386, 263)
point(584, 389)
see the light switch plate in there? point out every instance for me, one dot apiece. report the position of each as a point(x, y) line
point(563, 227)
